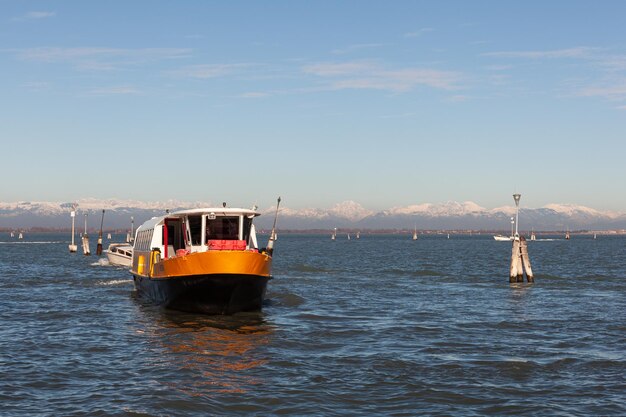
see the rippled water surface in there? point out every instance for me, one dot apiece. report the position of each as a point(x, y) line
point(377, 326)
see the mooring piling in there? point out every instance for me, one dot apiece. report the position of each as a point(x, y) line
point(526, 260)
point(520, 261)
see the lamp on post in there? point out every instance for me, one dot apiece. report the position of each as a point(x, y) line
point(516, 197)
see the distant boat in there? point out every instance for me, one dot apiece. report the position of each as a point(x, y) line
point(532, 235)
point(12, 234)
point(120, 254)
point(108, 235)
point(358, 235)
point(594, 235)
point(502, 238)
point(73, 247)
point(567, 235)
point(334, 235)
point(20, 236)
point(415, 233)
point(448, 235)
point(348, 236)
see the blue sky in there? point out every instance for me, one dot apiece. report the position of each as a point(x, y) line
point(384, 103)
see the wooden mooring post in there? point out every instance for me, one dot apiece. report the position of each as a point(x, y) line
point(520, 262)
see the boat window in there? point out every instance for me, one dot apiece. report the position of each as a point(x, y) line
point(247, 224)
point(222, 228)
point(144, 238)
point(195, 227)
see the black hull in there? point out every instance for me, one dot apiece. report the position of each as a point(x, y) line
point(207, 294)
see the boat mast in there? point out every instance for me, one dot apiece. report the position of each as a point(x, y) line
point(99, 245)
point(270, 244)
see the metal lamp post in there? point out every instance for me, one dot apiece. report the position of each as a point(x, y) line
point(516, 197)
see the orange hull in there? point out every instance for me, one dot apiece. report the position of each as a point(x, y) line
point(203, 263)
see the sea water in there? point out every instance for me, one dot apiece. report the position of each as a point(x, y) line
point(382, 325)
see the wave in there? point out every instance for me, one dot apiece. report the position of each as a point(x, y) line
point(101, 262)
point(114, 282)
point(27, 242)
point(310, 268)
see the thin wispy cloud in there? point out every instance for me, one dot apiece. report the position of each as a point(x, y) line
point(35, 16)
point(205, 71)
point(613, 63)
point(113, 91)
point(100, 58)
point(338, 69)
point(614, 91)
point(368, 75)
point(458, 99)
point(254, 94)
point(36, 86)
point(418, 33)
point(578, 52)
point(358, 47)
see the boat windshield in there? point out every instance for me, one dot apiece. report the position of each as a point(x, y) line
point(223, 228)
point(195, 228)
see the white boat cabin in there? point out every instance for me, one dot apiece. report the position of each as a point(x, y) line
point(198, 230)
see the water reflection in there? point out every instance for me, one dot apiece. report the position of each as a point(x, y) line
point(211, 354)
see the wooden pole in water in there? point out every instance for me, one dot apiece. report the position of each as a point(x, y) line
point(99, 245)
point(526, 260)
point(85, 239)
point(520, 261)
point(516, 273)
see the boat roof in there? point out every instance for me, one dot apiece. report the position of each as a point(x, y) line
point(218, 211)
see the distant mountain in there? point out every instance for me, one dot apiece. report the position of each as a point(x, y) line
point(452, 215)
point(348, 214)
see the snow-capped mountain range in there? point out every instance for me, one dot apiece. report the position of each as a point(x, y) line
point(348, 214)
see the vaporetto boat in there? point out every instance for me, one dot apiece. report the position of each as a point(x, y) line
point(202, 260)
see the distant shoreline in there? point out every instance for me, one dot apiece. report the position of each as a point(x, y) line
point(352, 231)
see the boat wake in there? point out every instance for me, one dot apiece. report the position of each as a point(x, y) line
point(101, 262)
point(115, 282)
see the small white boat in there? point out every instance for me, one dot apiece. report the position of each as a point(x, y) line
point(502, 238)
point(12, 234)
point(109, 236)
point(334, 235)
point(415, 233)
point(120, 254)
point(20, 236)
point(532, 235)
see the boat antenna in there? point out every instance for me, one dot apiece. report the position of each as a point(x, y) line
point(99, 246)
point(270, 244)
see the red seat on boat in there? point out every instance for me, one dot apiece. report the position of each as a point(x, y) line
point(220, 244)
